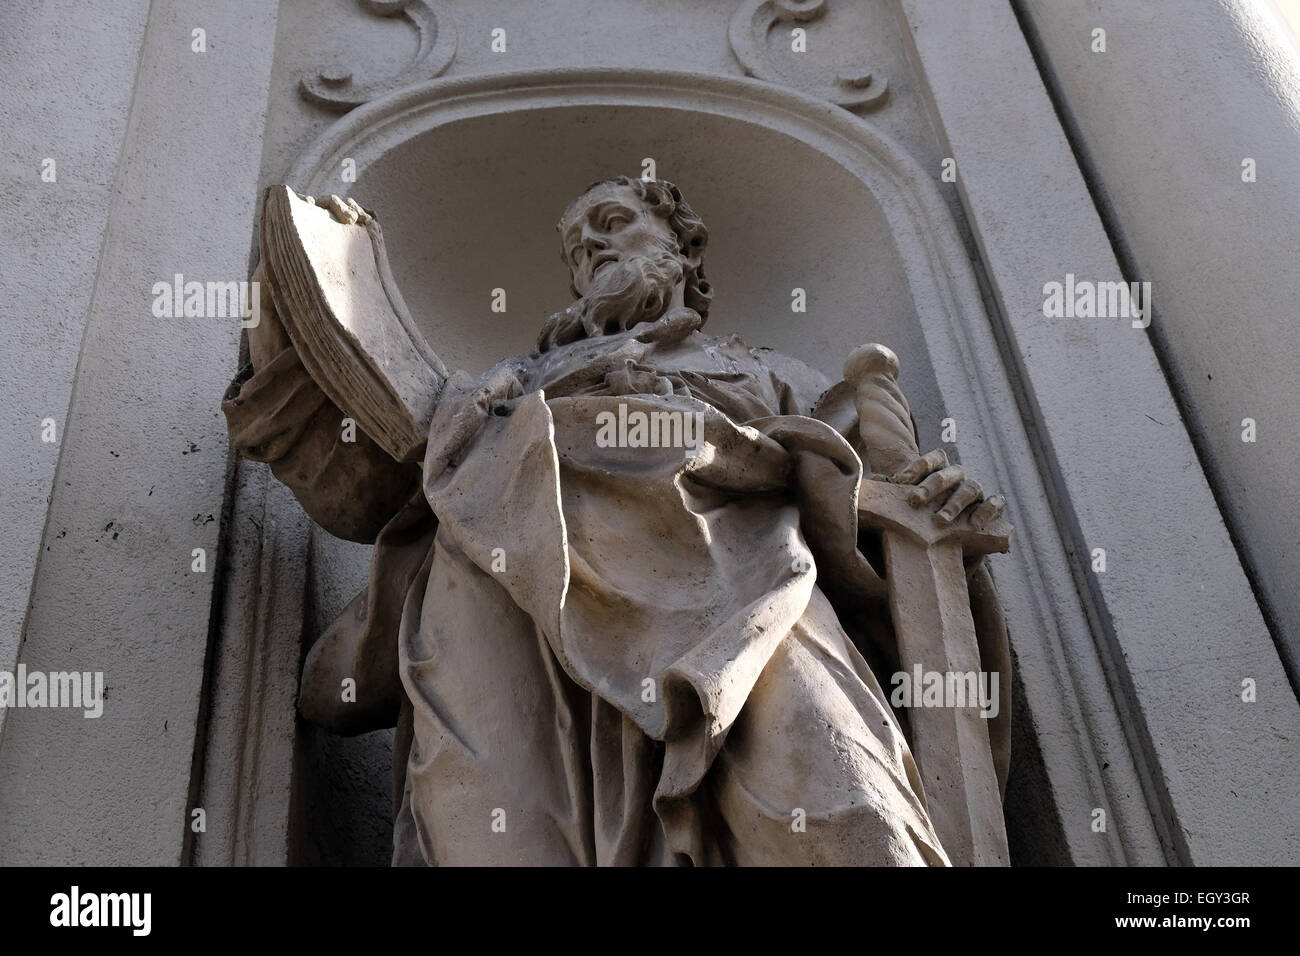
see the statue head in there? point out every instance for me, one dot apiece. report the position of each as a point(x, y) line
point(633, 248)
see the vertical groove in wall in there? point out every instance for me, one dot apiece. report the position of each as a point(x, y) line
point(190, 839)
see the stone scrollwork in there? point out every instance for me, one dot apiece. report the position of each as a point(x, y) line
point(853, 88)
point(333, 87)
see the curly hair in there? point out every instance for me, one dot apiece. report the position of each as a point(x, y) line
point(666, 201)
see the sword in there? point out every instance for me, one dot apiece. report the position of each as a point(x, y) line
point(930, 607)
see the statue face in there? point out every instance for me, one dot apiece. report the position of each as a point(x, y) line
point(609, 224)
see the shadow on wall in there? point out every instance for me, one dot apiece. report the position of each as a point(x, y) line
point(342, 800)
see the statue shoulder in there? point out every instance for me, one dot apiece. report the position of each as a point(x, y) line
point(805, 382)
point(795, 386)
point(793, 370)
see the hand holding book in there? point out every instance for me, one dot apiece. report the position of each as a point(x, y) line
point(329, 283)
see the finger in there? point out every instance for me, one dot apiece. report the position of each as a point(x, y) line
point(362, 215)
point(341, 211)
point(560, 329)
point(673, 327)
point(502, 386)
point(967, 493)
point(990, 510)
point(546, 340)
point(937, 484)
point(925, 465)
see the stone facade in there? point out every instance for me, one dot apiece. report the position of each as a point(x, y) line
point(921, 171)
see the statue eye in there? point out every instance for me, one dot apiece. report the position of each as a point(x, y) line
point(615, 219)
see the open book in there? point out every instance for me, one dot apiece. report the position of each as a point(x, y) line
point(337, 300)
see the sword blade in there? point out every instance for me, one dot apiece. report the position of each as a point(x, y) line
point(930, 606)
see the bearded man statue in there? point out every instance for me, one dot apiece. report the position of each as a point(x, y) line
point(663, 643)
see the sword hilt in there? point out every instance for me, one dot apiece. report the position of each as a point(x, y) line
point(883, 506)
point(884, 419)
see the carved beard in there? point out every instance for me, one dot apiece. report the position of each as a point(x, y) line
point(628, 292)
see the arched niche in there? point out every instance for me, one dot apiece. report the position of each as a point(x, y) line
point(468, 176)
point(470, 206)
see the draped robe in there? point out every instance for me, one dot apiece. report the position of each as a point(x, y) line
point(617, 655)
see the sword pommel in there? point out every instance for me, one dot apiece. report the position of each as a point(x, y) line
point(868, 360)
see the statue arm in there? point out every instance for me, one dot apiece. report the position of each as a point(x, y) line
point(277, 414)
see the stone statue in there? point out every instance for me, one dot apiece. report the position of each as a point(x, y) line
point(630, 608)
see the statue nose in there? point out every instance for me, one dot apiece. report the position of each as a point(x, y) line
point(592, 241)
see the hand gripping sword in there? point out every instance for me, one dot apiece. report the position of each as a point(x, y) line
point(930, 607)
